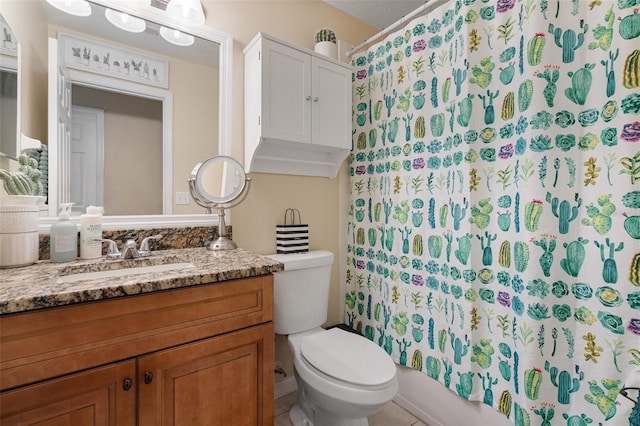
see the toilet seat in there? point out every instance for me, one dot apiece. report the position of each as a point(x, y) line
point(348, 357)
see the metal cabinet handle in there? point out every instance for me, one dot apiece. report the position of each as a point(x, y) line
point(316, 99)
point(126, 384)
point(148, 377)
point(308, 98)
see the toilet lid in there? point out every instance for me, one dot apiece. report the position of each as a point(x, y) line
point(348, 357)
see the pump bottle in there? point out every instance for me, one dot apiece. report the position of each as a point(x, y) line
point(90, 232)
point(64, 237)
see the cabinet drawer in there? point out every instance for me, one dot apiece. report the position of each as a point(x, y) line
point(39, 345)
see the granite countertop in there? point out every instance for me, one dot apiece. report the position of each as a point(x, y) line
point(46, 284)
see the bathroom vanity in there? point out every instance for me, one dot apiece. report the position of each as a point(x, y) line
point(188, 345)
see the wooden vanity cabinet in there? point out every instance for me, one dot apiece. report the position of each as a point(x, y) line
point(200, 355)
point(94, 397)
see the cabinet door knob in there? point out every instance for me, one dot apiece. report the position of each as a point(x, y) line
point(316, 99)
point(309, 97)
point(126, 384)
point(148, 377)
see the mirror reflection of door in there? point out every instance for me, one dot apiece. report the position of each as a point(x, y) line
point(132, 184)
point(8, 112)
point(87, 157)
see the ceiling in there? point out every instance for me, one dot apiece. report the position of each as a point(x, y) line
point(379, 13)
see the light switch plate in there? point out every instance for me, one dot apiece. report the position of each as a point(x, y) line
point(182, 198)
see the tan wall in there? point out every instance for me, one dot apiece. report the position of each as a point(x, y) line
point(195, 95)
point(318, 200)
point(254, 221)
point(133, 181)
point(28, 22)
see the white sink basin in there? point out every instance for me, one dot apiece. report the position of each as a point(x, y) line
point(84, 276)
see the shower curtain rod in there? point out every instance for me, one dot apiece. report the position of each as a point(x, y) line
point(393, 26)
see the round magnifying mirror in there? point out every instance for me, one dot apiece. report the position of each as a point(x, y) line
point(219, 179)
point(215, 183)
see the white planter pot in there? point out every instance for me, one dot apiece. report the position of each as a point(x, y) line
point(327, 48)
point(19, 241)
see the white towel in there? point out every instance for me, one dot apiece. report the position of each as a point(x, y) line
point(27, 143)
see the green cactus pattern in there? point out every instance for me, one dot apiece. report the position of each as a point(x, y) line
point(504, 254)
point(460, 346)
point(532, 381)
point(564, 381)
point(520, 255)
point(604, 399)
point(580, 84)
point(548, 245)
point(564, 211)
point(609, 269)
point(551, 76)
point(568, 40)
point(576, 253)
point(532, 213)
point(435, 246)
point(494, 207)
point(525, 94)
point(480, 213)
point(534, 49)
point(465, 384)
point(433, 367)
point(600, 217)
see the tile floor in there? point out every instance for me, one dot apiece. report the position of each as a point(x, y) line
point(390, 415)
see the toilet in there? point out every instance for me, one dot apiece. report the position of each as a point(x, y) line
point(342, 377)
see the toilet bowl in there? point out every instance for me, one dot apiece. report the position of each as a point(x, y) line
point(342, 377)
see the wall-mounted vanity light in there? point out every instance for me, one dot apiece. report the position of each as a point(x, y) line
point(176, 37)
point(124, 21)
point(72, 7)
point(186, 12)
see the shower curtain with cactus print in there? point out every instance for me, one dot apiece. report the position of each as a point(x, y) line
point(494, 229)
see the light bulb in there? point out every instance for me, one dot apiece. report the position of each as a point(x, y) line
point(176, 37)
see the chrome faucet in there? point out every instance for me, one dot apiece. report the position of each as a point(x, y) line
point(144, 250)
point(129, 248)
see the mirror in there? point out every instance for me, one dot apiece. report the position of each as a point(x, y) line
point(219, 179)
point(195, 121)
point(216, 183)
point(10, 130)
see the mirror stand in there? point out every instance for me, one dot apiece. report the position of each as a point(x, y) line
point(224, 242)
point(205, 199)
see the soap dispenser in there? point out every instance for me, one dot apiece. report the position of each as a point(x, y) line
point(91, 233)
point(64, 237)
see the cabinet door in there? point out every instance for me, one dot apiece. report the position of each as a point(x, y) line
point(95, 397)
point(286, 97)
point(225, 380)
point(331, 115)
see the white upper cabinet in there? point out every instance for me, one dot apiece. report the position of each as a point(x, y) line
point(297, 110)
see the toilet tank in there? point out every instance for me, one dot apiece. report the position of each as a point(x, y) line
point(301, 291)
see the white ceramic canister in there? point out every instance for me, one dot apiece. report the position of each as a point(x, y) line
point(19, 241)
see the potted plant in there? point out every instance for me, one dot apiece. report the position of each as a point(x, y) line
point(325, 43)
point(19, 211)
